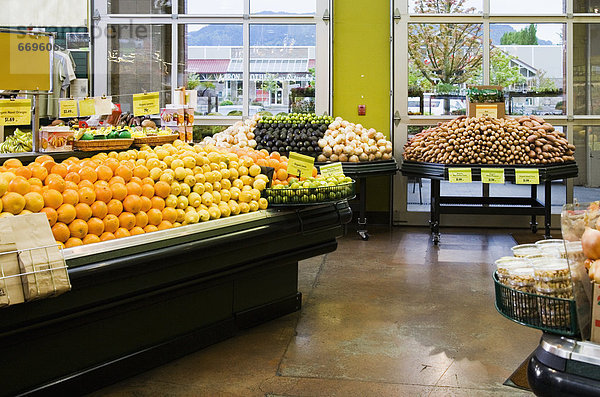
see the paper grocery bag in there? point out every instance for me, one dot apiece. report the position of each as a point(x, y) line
point(40, 259)
point(11, 288)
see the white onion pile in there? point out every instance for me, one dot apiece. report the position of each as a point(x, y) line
point(345, 141)
point(238, 135)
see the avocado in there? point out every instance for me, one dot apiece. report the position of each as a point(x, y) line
point(87, 137)
point(124, 134)
point(99, 136)
point(112, 135)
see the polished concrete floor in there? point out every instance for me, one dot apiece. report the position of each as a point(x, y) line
point(392, 316)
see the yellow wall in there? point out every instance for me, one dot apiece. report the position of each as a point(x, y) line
point(361, 73)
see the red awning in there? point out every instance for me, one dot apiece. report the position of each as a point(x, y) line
point(207, 65)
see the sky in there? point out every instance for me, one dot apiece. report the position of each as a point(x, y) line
point(236, 6)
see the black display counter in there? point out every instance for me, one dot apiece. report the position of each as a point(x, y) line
point(360, 172)
point(529, 206)
point(141, 301)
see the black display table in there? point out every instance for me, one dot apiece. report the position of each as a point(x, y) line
point(486, 205)
point(360, 172)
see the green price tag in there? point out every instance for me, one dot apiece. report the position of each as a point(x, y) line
point(300, 165)
point(527, 177)
point(492, 175)
point(332, 169)
point(87, 107)
point(459, 175)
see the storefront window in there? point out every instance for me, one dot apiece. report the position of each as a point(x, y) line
point(282, 68)
point(139, 60)
point(586, 67)
point(586, 6)
point(587, 155)
point(443, 60)
point(221, 7)
point(531, 7)
point(283, 7)
point(139, 6)
point(445, 7)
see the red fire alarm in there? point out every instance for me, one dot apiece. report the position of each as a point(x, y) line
point(362, 110)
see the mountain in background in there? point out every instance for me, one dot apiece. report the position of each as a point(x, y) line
point(497, 31)
point(260, 35)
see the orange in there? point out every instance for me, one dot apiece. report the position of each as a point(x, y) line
point(150, 228)
point(19, 185)
point(154, 216)
point(34, 202)
point(137, 180)
point(158, 203)
point(107, 236)
point(169, 214)
point(122, 232)
point(39, 172)
point(24, 172)
point(83, 211)
point(127, 220)
point(78, 228)
point(119, 191)
point(73, 177)
point(35, 182)
point(70, 196)
point(42, 158)
point(124, 172)
point(147, 190)
point(36, 188)
point(111, 163)
point(165, 225)
point(137, 230)
point(61, 232)
point(103, 193)
point(59, 169)
point(85, 183)
point(88, 174)
point(148, 181)
point(104, 172)
point(111, 223)
point(13, 163)
point(95, 226)
point(73, 242)
point(141, 172)
point(74, 168)
point(134, 188)
point(66, 213)
point(55, 182)
point(48, 164)
point(146, 204)
point(115, 207)
point(13, 202)
point(90, 163)
point(91, 239)
point(282, 174)
point(87, 195)
point(71, 185)
point(141, 219)
point(162, 189)
point(51, 214)
point(132, 203)
point(99, 209)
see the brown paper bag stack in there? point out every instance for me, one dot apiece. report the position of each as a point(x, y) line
point(11, 289)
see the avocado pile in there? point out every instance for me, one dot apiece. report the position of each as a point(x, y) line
point(293, 132)
point(113, 134)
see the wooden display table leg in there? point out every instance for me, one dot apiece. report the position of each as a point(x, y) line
point(533, 224)
point(434, 223)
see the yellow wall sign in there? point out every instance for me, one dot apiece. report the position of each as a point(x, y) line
point(332, 169)
point(15, 112)
point(25, 61)
point(486, 110)
point(68, 108)
point(527, 176)
point(144, 104)
point(492, 175)
point(87, 107)
point(300, 165)
point(460, 175)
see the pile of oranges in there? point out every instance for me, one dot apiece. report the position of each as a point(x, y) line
point(114, 195)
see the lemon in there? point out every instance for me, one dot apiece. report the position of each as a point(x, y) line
point(185, 189)
point(180, 215)
point(175, 188)
point(171, 201)
point(199, 188)
point(182, 202)
point(207, 199)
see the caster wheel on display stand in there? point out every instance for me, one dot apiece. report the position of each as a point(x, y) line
point(364, 235)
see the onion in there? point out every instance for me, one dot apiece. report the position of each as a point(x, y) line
point(353, 159)
point(347, 150)
point(379, 136)
point(358, 151)
point(378, 155)
point(372, 149)
point(371, 157)
point(363, 157)
point(590, 242)
point(327, 151)
point(338, 149)
point(322, 143)
point(343, 158)
point(386, 156)
point(334, 157)
point(321, 158)
point(381, 142)
point(345, 123)
point(594, 271)
point(372, 132)
point(364, 138)
point(359, 126)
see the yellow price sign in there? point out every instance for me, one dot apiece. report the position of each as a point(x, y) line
point(15, 112)
point(300, 165)
point(25, 61)
point(87, 107)
point(460, 175)
point(492, 175)
point(332, 169)
point(486, 110)
point(527, 176)
point(144, 104)
point(68, 108)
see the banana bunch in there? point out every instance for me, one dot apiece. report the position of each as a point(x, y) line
point(20, 142)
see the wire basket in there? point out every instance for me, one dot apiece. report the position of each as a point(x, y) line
point(553, 315)
point(155, 140)
point(287, 197)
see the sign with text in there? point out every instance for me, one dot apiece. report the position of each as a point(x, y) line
point(26, 59)
point(460, 175)
point(300, 165)
point(144, 104)
point(68, 108)
point(87, 107)
point(527, 176)
point(486, 110)
point(15, 112)
point(492, 175)
point(332, 169)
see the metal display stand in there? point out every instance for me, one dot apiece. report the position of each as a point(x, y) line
point(530, 206)
point(360, 172)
